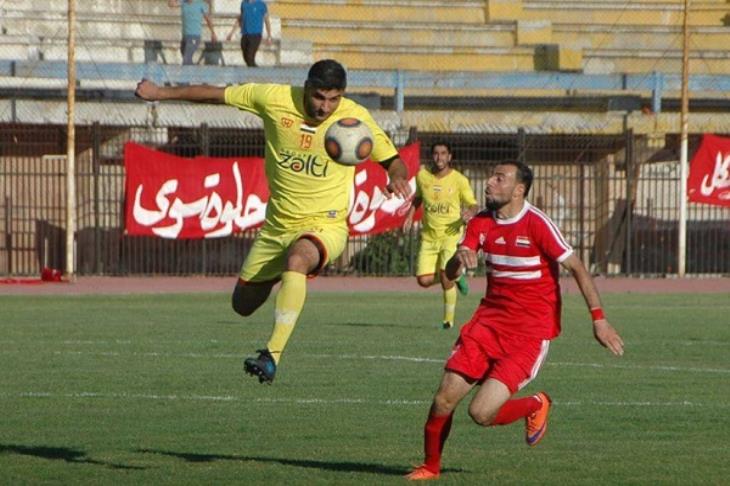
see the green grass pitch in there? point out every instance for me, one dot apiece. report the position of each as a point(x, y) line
point(150, 390)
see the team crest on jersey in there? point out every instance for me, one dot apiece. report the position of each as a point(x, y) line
point(286, 122)
point(500, 241)
point(482, 239)
point(522, 241)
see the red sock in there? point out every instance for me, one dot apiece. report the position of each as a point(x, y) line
point(434, 436)
point(516, 409)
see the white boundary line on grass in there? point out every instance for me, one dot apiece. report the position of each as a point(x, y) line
point(554, 363)
point(71, 342)
point(413, 359)
point(324, 401)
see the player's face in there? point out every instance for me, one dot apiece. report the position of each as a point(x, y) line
point(321, 103)
point(441, 158)
point(501, 186)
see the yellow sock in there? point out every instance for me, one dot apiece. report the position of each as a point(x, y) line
point(449, 304)
point(289, 303)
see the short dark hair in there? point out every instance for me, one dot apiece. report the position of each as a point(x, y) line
point(327, 74)
point(523, 174)
point(443, 143)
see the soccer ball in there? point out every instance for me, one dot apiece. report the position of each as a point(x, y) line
point(348, 141)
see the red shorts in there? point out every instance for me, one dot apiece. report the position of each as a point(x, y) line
point(481, 353)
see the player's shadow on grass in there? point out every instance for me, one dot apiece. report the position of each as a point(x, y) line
point(342, 466)
point(59, 454)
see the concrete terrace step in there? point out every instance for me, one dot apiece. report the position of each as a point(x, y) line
point(603, 36)
point(435, 12)
point(625, 13)
point(99, 25)
point(139, 10)
point(433, 58)
point(604, 61)
point(102, 51)
point(394, 34)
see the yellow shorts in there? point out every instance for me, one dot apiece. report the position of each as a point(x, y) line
point(266, 260)
point(434, 254)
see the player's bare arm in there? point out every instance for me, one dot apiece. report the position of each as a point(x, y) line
point(149, 91)
point(464, 259)
point(469, 213)
point(604, 333)
point(208, 21)
point(398, 175)
point(236, 27)
point(408, 222)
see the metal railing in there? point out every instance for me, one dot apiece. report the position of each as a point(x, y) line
point(613, 196)
point(656, 84)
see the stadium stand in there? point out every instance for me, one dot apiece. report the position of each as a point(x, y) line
point(607, 36)
point(116, 31)
point(589, 36)
point(596, 56)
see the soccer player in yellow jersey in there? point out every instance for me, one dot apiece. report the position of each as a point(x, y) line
point(448, 202)
point(306, 225)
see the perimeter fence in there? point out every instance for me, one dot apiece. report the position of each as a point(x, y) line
point(613, 196)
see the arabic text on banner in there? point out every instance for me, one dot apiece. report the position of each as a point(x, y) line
point(709, 172)
point(204, 197)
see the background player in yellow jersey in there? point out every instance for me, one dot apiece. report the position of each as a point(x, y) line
point(448, 202)
point(306, 215)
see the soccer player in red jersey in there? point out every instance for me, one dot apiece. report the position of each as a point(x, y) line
point(506, 341)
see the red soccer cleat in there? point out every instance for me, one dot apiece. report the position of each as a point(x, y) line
point(422, 473)
point(536, 423)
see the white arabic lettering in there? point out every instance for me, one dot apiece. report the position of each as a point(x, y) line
point(720, 178)
point(211, 209)
point(147, 217)
point(363, 206)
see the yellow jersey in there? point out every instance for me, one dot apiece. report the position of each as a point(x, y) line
point(443, 199)
point(306, 187)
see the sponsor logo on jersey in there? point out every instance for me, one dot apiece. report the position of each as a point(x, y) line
point(500, 241)
point(437, 208)
point(309, 164)
point(522, 241)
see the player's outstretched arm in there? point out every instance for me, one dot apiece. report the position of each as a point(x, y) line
point(398, 174)
point(604, 333)
point(199, 93)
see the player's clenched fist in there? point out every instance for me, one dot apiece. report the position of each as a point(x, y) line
point(467, 258)
point(147, 90)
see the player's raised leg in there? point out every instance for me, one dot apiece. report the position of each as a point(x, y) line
point(249, 296)
point(302, 258)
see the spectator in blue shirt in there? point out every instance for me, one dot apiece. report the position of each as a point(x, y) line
point(193, 12)
point(254, 14)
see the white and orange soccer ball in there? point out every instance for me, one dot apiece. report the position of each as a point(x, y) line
point(348, 141)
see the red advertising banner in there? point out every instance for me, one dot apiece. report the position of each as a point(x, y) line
point(709, 172)
point(204, 197)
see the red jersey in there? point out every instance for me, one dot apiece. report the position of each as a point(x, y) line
point(522, 256)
